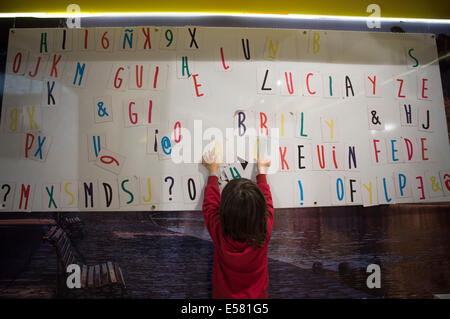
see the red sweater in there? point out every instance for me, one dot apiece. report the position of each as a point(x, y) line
point(239, 270)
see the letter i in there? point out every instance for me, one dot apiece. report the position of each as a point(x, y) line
point(155, 145)
point(334, 157)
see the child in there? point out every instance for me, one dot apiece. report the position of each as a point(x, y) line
point(240, 224)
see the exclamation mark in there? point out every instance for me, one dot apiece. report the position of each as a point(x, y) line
point(301, 192)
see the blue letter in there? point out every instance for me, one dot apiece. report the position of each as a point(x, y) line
point(80, 71)
point(394, 159)
point(401, 185)
point(385, 191)
point(340, 194)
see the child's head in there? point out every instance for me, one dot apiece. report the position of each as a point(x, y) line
point(243, 214)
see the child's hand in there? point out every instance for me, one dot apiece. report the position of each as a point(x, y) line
point(263, 165)
point(209, 160)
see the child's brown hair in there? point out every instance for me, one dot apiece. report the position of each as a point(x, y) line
point(243, 212)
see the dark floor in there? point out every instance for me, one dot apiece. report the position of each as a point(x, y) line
point(169, 255)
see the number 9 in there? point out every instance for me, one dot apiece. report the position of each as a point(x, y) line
point(169, 39)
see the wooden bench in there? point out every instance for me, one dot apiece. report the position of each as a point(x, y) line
point(72, 220)
point(94, 278)
point(72, 224)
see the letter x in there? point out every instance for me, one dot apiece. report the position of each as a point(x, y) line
point(50, 197)
point(193, 37)
point(39, 149)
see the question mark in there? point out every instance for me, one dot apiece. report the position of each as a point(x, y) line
point(171, 185)
point(6, 194)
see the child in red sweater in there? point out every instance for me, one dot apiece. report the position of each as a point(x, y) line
point(240, 223)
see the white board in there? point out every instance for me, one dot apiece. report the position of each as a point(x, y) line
point(91, 124)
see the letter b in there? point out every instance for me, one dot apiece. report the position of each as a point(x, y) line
point(241, 125)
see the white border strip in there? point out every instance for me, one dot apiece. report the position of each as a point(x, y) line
point(201, 14)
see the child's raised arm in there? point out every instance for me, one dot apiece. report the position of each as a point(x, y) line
point(211, 201)
point(263, 165)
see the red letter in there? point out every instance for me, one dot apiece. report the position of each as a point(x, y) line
point(424, 88)
point(117, 77)
point(262, 123)
point(226, 67)
point(400, 89)
point(155, 80)
point(196, 85)
point(422, 140)
point(27, 144)
point(409, 148)
point(36, 69)
point(24, 193)
point(139, 79)
point(334, 157)
point(147, 38)
point(15, 66)
point(291, 88)
point(283, 160)
point(86, 38)
point(421, 187)
point(55, 62)
point(150, 107)
point(132, 115)
point(321, 162)
point(307, 84)
point(177, 124)
point(376, 149)
point(373, 83)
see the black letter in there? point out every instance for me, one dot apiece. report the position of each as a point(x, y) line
point(264, 83)
point(351, 157)
point(108, 193)
point(88, 191)
point(351, 189)
point(300, 156)
point(191, 182)
point(428, 121)
point(49, 93)
point(348, 85)
point(193, 37)
point(246, 53)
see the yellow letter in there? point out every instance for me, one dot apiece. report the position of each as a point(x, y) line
point(30, 117)
point(14, 117)
point(218, 152)
point(273, 51)
point(330, 125)
point(316, 44)
point(256, 149)
point(69, 193)
point(149, 188)
point(369, 189)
